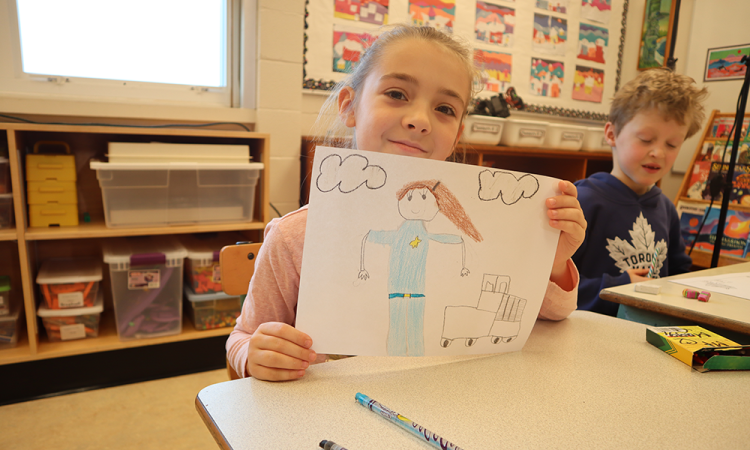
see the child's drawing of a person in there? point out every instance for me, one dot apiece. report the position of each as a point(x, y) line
point(418, 202)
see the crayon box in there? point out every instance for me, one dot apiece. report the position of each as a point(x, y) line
point(699, 348)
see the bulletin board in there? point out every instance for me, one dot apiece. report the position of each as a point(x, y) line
point(563, 57)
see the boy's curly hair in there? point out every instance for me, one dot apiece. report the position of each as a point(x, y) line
point(675, 96)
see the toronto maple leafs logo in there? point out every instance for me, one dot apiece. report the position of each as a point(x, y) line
point(639, 254)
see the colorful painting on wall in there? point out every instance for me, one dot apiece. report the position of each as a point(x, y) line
point(560, 6)
point(496, 69)
point(495, 24)
point(547, 77)
point(655, 36)
point(592, 41)
point(348, 45)
point(438, 14)
point(588, 84)
point(550, 34)
point(725, 63)
point(370, 11)
point(596, 10)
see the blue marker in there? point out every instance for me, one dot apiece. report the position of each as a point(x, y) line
point(330, 445)
point(405, 423)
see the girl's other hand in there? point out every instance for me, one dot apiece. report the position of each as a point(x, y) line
point(566, 215)
point(279, 352)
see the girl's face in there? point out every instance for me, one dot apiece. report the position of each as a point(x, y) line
point(411, 103)
point(418, 204)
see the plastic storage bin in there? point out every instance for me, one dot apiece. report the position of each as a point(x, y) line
point(524, 133)
point(159, 194)
point(6, 210)
point(594, 140)
point(202, 268)
point(9, 328)
point(4, 295)
point(70, 282)
point(564, 137)
point(215, 310)
point(73, 323)
point(146, 277)
point(4, 175)
point(482, 130)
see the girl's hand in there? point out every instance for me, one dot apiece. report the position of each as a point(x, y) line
point(279, 352)
point(566, 215)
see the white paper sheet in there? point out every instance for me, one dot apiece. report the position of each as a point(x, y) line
point(734, 284)
point(480, 295)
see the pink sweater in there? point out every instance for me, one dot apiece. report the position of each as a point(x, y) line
point(272, 295)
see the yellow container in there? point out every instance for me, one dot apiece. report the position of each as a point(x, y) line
point(51, 191)
point(53, 214)
point(40, 167)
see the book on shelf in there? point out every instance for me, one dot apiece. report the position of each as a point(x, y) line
point(703, 171)
point(736, 231)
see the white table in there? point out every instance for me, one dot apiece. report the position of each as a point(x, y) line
point(590, 381)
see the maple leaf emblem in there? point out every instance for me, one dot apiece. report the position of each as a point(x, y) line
point(638, 253)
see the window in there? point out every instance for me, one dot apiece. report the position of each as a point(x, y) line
point(169, 50)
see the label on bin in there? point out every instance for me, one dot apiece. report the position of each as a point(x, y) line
point(143, 279)
point(216, 275)
point(70, 299)
point(74, 331)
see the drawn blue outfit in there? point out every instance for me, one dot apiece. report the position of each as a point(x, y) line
point(406, 283)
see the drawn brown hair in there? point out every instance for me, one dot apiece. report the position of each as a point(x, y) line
point(447, 203)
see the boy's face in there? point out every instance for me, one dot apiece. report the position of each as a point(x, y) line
point(645, 149)
point(411, 103)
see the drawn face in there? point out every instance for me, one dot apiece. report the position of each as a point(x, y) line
point(645, 149)
point(418, 204)
point(411, 103)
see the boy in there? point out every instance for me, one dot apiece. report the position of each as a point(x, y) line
point(629, 219)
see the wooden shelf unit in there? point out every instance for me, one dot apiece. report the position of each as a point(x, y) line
point(702, 258)
point(564, 164)
point(24, 248)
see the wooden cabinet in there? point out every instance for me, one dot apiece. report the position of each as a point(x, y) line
point(24, 248)
point(563, 164)
point(706, 163)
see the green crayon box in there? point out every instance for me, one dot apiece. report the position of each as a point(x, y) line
point(699, 348)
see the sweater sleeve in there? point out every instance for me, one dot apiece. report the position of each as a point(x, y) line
point(588, 292)
point(558, 303)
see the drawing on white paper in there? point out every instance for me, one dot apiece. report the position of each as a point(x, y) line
point(497, 315)
point(504, 185)
point(349, 173)
point(418, 202)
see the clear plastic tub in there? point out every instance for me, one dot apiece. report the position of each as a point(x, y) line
point(160, 194)
point(70, 282)
point(9, 328)
point(523, 133)
point(146, 278)
point(4, 295)
point(215, 310)
point(594, 140)
point(73, 323)
point(564, 137)
point(202, 268)
point(482, 130)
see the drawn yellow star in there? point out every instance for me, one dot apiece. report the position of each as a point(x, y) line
point(415, 242)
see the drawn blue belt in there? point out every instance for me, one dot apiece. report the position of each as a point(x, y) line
point(405, 295)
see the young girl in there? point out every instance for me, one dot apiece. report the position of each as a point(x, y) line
point(407, 96)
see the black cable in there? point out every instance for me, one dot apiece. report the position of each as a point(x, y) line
point(173, 125)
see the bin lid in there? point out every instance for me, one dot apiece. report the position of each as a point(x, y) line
point(207, 248)
point(4, 283)
point(193, 297)
point(98, 307)
point(143, 250)
point(100, 165)
point(69, 270)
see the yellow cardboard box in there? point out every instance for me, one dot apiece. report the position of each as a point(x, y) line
point(699, 348)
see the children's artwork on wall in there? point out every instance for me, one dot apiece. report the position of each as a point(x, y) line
point(495, 24)
point(560, 6)
point(438, 14)
point(496, 68)
point(547, 77)
point(588, 84)
point(422, 257)
point(596, 10)
point(550, 34)
point(489, 25)
point(370, 11)
point(656, 36)
point(725, 63)
point(592, 42)
point(348, 45)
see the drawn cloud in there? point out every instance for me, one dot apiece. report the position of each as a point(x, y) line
point(349, 174)
point(504, 185)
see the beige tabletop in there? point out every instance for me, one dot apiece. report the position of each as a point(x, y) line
point(590, 381)
point(725, 311)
